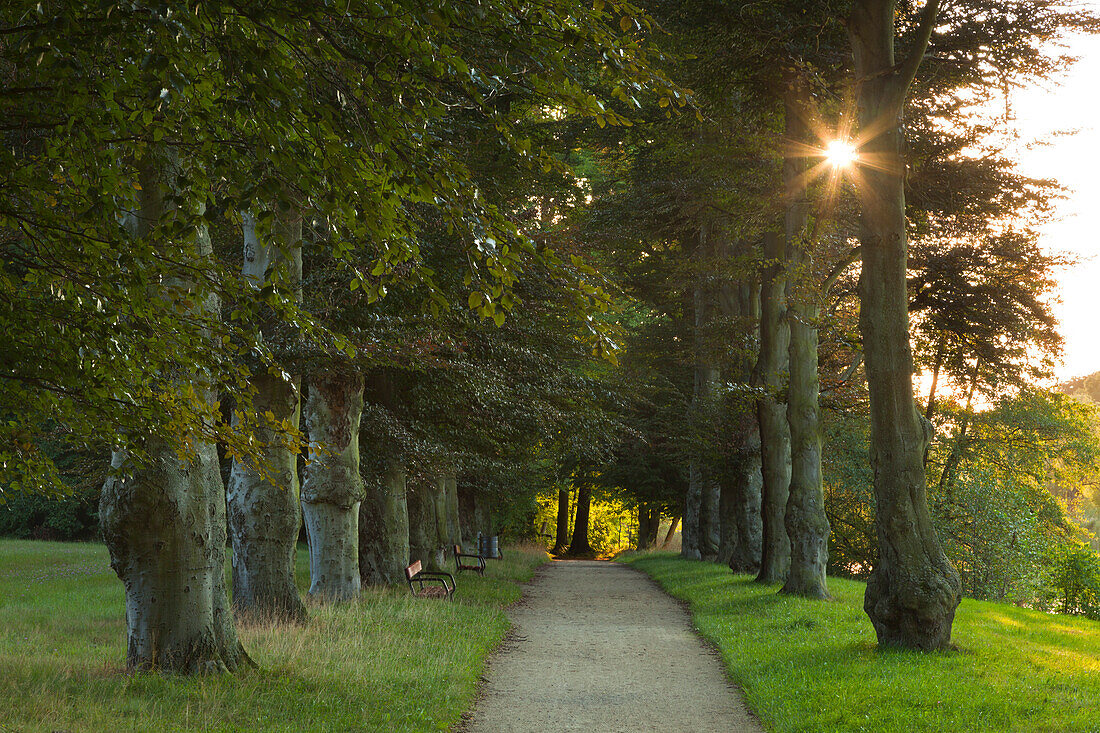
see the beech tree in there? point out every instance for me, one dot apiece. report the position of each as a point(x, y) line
point(332, 488)
point(913, 590)
point(163, 518)
point(263, 500)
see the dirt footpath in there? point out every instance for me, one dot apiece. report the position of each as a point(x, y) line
point(598, 647)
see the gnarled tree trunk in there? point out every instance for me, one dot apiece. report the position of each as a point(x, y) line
point(333, 489)
point(913, 590)
point(264, 511)
point(164, 525)
point(775, 438)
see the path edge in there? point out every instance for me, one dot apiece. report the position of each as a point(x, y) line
point(463, 724)
point(708, 644)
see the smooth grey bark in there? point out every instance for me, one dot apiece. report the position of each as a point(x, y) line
point(806, 524)
point(384, 527)
point(265, 515)
point(775, 439)
point(164, 522)
point(332, 488)
point(913, 590)
point(561, 535)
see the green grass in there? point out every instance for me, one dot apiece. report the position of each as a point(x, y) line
point(814, 666)
point(386, 662)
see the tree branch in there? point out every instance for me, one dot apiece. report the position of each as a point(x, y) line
point(907, 69)
point(838, 269)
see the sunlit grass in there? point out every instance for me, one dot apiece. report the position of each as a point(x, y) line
point(386, 662)
point(814, 666)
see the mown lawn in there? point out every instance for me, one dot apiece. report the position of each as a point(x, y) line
point(813, 666)
point(386, 662)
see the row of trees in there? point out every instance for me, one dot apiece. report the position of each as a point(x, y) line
point(745, 253)
point(485, 248)
point(227, 217)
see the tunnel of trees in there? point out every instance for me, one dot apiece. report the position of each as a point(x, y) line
point(393, 276)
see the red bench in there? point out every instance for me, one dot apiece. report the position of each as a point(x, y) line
point(478, 567)
point(429, 584)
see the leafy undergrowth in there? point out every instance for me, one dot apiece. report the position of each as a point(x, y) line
point(386, 662)
point(813, 666)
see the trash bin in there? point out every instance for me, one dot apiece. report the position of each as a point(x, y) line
point(488, 547)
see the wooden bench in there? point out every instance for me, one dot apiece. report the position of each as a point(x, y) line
point(478, 567)
point(429, 584)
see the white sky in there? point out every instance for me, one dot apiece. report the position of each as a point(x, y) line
point(1074, 161)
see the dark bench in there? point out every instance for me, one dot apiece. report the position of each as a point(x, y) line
point(478, 567)
point(429, 584)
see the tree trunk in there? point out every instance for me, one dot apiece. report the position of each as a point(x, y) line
point(424, 534)
point(689, 532)
point(578, 546)
point(561, 536)
point(264, 511)
point(775, 439)
point(740, 502)
point(649, 523)
point(443, 535)
point(930, 410)
point(744, 494)
point(454, 522)
point(806, 524)
point(384, 528)
point(704, 488)
point(164, 526)
point(671, 532)
point(710, 520)
point(333, 489)
point(913, 590)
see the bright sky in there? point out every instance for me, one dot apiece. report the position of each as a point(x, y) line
point(1074, 161)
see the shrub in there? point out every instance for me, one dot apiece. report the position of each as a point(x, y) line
point(1075, 580)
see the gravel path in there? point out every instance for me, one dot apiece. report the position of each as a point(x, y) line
point(598, 647)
